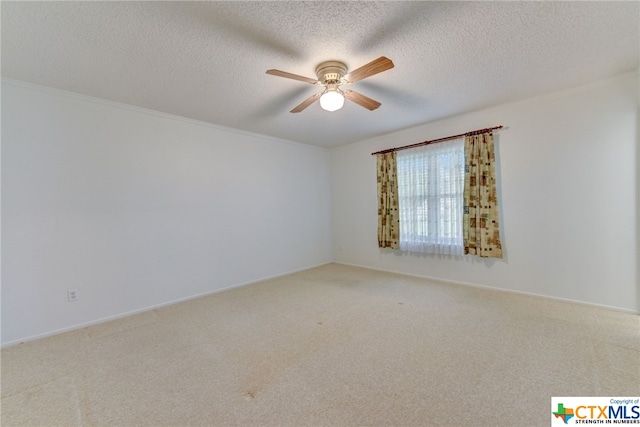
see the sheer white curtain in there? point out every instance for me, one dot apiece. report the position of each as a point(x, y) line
point(430, 190)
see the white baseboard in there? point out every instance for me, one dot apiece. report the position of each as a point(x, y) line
point(149, 308)
point(492, 288)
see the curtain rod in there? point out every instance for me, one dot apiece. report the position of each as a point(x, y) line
point(433, 141)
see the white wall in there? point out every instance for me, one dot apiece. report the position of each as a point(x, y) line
point(137, 209)
point(567, 165)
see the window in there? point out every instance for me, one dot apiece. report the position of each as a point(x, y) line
point(430, 192)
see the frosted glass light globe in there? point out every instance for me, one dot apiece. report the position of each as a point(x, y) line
point(331, 100)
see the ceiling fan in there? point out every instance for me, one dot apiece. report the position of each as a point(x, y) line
point(332, 75)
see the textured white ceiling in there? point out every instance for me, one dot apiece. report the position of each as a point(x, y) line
point(207, 60)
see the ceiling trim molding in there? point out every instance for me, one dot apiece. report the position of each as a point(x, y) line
point(119, 105)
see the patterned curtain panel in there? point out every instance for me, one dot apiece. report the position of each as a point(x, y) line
point(480, 218)
point(388, 211)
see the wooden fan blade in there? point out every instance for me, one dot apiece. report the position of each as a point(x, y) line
point(292, 76)
point(362, 100)
point(304, 104)
point(374, 67)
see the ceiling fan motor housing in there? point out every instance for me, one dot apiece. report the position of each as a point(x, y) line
point(331, 72)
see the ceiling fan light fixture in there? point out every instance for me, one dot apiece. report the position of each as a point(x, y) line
point(332, 75)
point(332, 100)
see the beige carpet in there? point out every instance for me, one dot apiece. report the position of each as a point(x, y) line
point(331, 346)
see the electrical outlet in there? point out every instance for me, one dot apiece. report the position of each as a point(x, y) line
point(72, 295)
